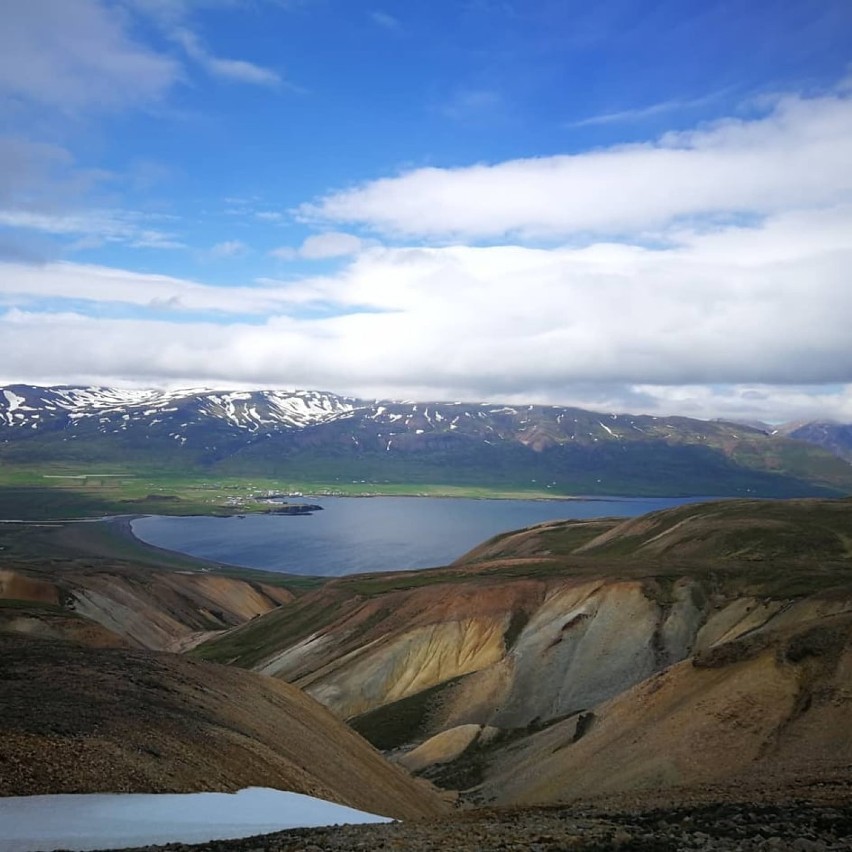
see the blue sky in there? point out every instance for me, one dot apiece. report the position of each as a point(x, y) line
point(631, 205)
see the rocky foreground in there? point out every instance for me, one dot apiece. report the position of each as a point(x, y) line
point(794, 825)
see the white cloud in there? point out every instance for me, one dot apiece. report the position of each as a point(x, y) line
point(726, 292)
point(796, 156)
point(73, 54)
point(36, 181)
point(94, 227)
point(649, 111)
point(321, 246)
point(22, 284)
point(746, 319)
point(236, 70)
point(229, 248)
point(384, 20)
point(29, 168)
point(173, 17)
point(767, 403)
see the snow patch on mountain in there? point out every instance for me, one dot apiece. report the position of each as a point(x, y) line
point(29, 407)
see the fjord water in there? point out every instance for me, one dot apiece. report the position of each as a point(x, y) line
point(356, 534)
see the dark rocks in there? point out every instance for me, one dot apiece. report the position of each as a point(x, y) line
point(731, 652)
point(795, 827)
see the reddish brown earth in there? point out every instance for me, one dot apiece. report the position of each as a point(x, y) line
point(78, 719)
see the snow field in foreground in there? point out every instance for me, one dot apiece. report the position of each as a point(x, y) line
point(113, 820)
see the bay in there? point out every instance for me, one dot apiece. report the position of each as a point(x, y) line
point(362, 534)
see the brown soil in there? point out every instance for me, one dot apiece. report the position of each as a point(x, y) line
point(76, 719)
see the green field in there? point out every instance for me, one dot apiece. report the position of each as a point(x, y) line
point(50, 492)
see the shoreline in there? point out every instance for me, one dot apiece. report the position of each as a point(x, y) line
point(122, 525)
point(245, 511)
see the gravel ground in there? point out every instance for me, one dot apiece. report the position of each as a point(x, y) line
point(796, 826)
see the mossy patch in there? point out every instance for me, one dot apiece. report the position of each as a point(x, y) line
point(516, 625)
point(401, 722)
point(732, 652)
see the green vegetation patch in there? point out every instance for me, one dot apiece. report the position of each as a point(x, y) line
point(401, 722)
point(249, 644)
point(44, 490)
point(564, 538)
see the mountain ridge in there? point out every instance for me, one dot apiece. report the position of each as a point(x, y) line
point(318, 436)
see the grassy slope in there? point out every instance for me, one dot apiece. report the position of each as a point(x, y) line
point(45, 492)
point(780, 548)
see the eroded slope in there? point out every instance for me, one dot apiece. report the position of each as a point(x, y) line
point(767, 709)
point(533, 633)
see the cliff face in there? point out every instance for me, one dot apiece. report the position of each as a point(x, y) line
point(515, 651)
point(773, 707)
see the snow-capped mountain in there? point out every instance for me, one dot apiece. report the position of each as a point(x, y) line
point(28, 407)
point(319, 436)
point(111, 410)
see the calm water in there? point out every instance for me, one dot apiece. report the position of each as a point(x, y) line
point(353, 535)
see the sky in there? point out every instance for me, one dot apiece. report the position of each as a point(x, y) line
point(627, 205)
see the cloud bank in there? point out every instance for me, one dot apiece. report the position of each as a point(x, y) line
point(798, 155)
point(704, 273)
point(742, 306)
point(77, 54)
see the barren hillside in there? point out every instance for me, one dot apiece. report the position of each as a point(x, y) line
point(77, 719)
point(567, 638)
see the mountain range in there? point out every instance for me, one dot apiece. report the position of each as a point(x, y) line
point(320, 437)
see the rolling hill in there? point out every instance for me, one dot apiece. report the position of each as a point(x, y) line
point(680, 676)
